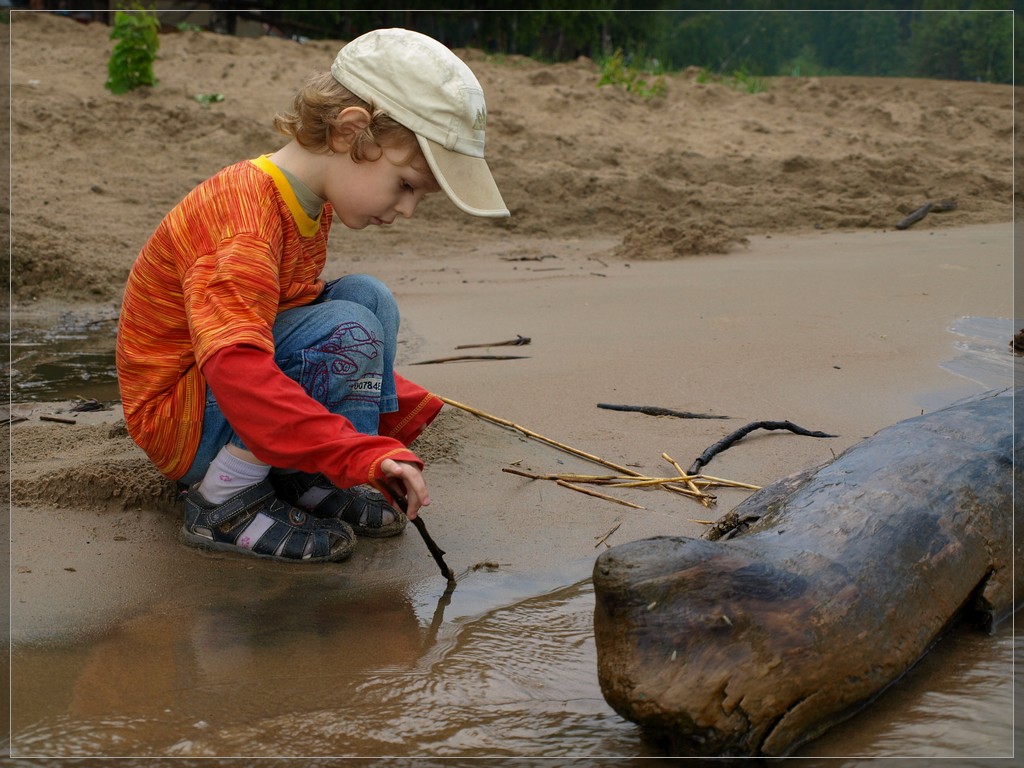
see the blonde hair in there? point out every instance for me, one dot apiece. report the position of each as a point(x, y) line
point(315, 110)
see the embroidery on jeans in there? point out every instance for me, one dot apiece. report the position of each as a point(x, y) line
point(343, 356)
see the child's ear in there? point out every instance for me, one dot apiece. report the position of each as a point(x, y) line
point(348, 126)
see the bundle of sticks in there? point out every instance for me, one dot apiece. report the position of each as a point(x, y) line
point(692, 484)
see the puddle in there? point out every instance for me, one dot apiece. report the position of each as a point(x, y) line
point(985, 354)
point(504, 665)
point(271, 665)
point(983, 360)
point(66, 358)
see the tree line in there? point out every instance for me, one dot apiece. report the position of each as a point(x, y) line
point(970, 40)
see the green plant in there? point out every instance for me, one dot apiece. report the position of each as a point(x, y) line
point(739, 80)
point(206, 99)
point(744, 81)
point(615, 70)
point(131, 63)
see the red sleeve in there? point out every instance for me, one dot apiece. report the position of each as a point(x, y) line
point(286, 428)
point(416, 409)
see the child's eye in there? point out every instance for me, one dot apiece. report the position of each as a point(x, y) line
point(407, 187)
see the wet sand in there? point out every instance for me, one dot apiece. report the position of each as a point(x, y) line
point(845, 333)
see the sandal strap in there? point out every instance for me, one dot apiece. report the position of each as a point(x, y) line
point(240, 502)
point(291, 485)
point(356, 504)
point(345, 504)
point(349, 504)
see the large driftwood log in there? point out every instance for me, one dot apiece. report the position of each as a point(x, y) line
point(847, 575)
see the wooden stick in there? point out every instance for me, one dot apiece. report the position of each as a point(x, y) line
point(58, 419)
point(616, 482)
point(467, 358)
point(604, 539)
point(686, 479)
point(742, 432)
point(920, 213)
point(645, 482)
point(587, 491)
point(601, 479)
point(915, 217)
point(518, 341)
point(656, 410)
point(435, 551)
point(730, 483)
point(541, 438)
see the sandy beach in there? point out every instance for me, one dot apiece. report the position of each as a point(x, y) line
point(863, 349)
point(739, 260)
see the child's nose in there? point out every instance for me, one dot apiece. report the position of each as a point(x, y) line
point(407, 207)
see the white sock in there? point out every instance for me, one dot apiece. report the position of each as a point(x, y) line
point(312, 497)
point(228, 474)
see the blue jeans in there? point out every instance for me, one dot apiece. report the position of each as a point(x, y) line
point(341, 349)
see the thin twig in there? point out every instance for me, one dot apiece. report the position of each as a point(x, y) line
point(742, 432)
point(688, 480)
point(920, 213)
point(467, 358)
point(729, 483)
point(687, 492)
point(518, 341)
point(589, 492)
point(597, 479)
point(541, 438)
point(58, 419)
point(604, 539)
point(656, 410)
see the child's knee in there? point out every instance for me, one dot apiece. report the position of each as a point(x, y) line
point(365, 290)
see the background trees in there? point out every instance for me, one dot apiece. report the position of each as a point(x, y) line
point(929, 38)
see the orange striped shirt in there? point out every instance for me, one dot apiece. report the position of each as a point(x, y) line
point(233, 253)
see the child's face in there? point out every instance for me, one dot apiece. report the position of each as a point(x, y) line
point(377, 191)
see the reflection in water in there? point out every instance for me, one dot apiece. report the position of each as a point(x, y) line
point(298, 669)
point(71, 357)
point(311, 672)
point(956, 703)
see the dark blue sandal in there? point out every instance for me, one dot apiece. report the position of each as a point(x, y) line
point(255, 522)
point(363, 508)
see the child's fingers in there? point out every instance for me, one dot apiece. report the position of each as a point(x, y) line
point(407, 480)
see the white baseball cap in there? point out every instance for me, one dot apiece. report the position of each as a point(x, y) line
point(424, 86)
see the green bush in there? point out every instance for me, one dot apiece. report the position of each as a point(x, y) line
point(740, 80)
point(131, 63)
point(616, 71)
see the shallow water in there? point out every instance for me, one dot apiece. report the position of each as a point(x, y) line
point(66, 358)
point(984, 354)
point(264, 662)
point(504, 665)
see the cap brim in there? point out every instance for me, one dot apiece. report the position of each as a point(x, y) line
point(466, 180)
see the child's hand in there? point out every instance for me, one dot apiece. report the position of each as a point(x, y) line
point(406, 478)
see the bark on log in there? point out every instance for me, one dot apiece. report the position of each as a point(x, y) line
point(847, 576)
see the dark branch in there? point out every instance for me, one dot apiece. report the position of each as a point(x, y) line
point(654, 410)
point(742, 432)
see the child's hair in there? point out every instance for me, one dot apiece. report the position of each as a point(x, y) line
point(316, 106)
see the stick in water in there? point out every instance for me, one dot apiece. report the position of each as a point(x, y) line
point(436, 552)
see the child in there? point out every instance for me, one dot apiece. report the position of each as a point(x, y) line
point(268, 394)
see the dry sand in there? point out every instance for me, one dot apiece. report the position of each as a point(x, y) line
point(713, 251)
